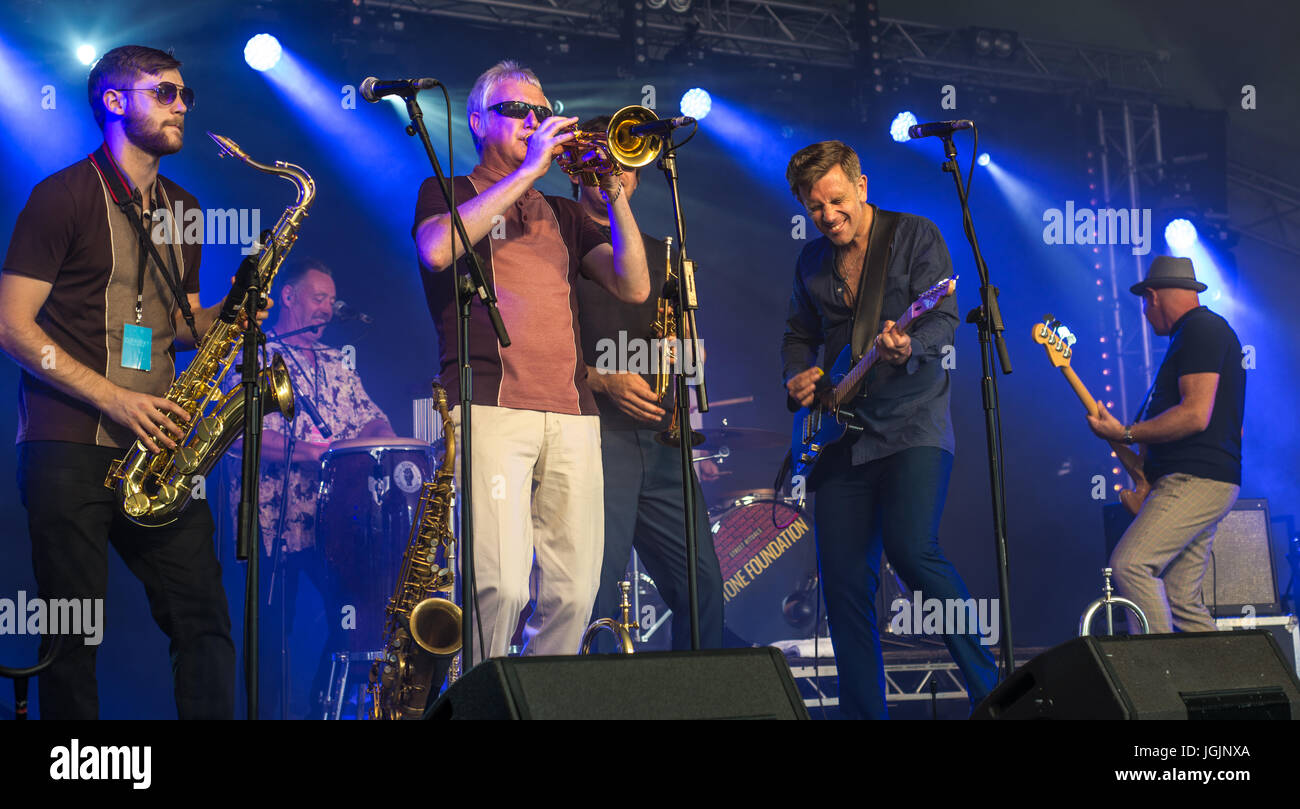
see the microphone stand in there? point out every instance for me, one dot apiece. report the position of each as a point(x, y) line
point(687, 303)
point(467, 285)
point(988, 319)
point(247, 540)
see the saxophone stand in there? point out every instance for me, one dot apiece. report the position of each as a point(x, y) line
point(472, 282)
point(686, 303)
point(988, 319)
point(247, 528)
point(1109, 600)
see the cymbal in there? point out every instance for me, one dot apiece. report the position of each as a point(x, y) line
point(734, 438)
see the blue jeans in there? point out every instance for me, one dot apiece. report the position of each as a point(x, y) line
point(892, 503)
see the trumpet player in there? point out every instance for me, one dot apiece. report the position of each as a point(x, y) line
point(643, 477)
point(93, 307)
point(537, 467)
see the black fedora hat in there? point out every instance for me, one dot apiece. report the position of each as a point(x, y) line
point(1169, 271)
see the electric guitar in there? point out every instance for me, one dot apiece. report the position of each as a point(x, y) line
point(830, 416)
point(1058, 342)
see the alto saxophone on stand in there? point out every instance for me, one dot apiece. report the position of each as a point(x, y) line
point(153, 489)
point(422, 626)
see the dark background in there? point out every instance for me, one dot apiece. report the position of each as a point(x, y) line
point(739, 214)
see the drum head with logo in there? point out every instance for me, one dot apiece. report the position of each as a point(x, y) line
point(769, 570)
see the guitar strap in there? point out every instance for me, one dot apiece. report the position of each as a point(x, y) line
point(871, 286)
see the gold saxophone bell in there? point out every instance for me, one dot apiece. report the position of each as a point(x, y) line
point(591, 155)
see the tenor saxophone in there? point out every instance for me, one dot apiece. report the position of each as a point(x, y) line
point(422, 632)
point(153, 489)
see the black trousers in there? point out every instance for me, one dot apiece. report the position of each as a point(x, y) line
point(72, 519)
point(643, 509)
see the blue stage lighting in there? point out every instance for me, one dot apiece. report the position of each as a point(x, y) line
point(1180, 234)
point(86, 54)
point(902, 122)
point(696, 103)
point(983, 159)
point(262, 52)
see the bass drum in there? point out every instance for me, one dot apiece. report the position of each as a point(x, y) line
point(768, 557)
point(369, 495)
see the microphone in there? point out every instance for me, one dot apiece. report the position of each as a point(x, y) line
point(345, 312)
point(321, 426)
point(938, 128)
point(662, 126)
point(373, 89)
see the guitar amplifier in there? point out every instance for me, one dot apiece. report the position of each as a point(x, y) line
point(1241, 572)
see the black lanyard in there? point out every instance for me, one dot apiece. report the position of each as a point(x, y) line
point(126, 201)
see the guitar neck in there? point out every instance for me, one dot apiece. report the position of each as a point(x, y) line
point(1080, 390)
point(844, 391)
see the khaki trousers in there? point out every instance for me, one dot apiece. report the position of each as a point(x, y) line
point(1161, 559)
point(539, 519)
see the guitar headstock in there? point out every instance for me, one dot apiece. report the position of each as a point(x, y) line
point(1056, 339)
point(931, 297)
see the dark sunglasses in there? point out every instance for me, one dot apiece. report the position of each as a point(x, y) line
point(520, 109)
point(165, 93)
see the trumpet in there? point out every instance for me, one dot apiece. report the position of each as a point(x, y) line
point(592, 155)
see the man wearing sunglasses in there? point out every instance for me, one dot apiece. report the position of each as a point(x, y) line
point(95, 298)
point(538, 485)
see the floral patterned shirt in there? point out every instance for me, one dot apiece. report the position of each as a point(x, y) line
point(325, 376)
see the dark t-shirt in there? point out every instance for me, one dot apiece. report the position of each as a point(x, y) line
point(73, 236)
point(1201, 342)
point(604, 317)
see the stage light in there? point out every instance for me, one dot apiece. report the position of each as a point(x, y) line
point(983, 159)
point(696, 103)
point(86, 54)
point(262, 52)
point(902, 122)
point(1180, 234)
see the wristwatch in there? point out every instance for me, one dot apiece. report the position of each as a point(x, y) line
point(1128, 434)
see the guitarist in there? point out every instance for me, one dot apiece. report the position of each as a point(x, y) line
point(884, 487)
point(1192, 432)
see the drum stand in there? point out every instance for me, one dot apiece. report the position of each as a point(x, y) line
point(340, 672)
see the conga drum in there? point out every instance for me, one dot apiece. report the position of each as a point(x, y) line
point(369, 497)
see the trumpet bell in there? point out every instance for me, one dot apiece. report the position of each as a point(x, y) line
point(592, 155)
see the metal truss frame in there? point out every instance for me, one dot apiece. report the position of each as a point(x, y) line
point(1280, 227)
point(822, 34)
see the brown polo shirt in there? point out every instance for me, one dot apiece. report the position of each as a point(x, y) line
point(532, 259)
point(73, 236)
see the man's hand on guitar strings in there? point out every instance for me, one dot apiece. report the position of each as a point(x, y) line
point(1106, 426)
point(803, 385)
point(894, 347)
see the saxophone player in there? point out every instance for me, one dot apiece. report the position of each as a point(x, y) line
point(93, 306)
point(537, 464)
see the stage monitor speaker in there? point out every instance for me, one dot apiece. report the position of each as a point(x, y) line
point(1241, 572)
point(1197, 675)
point(715, 684)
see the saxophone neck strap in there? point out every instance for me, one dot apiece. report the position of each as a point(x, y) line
point(125, 198)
